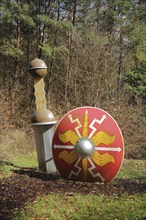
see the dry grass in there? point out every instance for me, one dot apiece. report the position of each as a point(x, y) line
point(17, 134)
point(16, 142)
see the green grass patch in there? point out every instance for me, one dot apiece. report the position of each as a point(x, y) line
point(87, 207)
point(17, 150)
point(5, 170)
point(133, 169)
point(14, 162)
point(29, 160)
point(92, 207)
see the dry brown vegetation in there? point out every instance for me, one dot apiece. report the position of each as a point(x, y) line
point(16, 127)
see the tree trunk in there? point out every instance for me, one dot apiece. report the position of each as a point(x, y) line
point(120, 62)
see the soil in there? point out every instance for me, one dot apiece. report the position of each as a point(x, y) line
point(26, 184)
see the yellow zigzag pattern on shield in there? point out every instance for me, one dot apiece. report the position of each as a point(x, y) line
point(68, 136)
point(102, 137)
point(68, 157)
point(102, 159)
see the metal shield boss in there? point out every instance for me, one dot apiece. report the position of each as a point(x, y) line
point(88, 146)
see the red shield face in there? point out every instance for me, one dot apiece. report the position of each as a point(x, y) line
point(88, 145)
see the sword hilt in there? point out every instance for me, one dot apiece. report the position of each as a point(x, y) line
point(38, 70)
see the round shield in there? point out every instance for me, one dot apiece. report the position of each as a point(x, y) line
point(88, 145)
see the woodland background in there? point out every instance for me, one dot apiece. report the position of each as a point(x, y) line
point(96, 56)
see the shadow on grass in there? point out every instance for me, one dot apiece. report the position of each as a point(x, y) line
point(34, 173)
point(27, 183)
point(24, 185)
point(31, 172)
point(7, 163)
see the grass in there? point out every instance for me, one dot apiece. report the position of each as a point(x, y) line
point(17, 150)
point(57, 206)
point(13, 162)
point(87, 207)
point(132, 169)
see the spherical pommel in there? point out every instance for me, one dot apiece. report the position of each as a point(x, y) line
point(42, 116)
point(37, 68)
